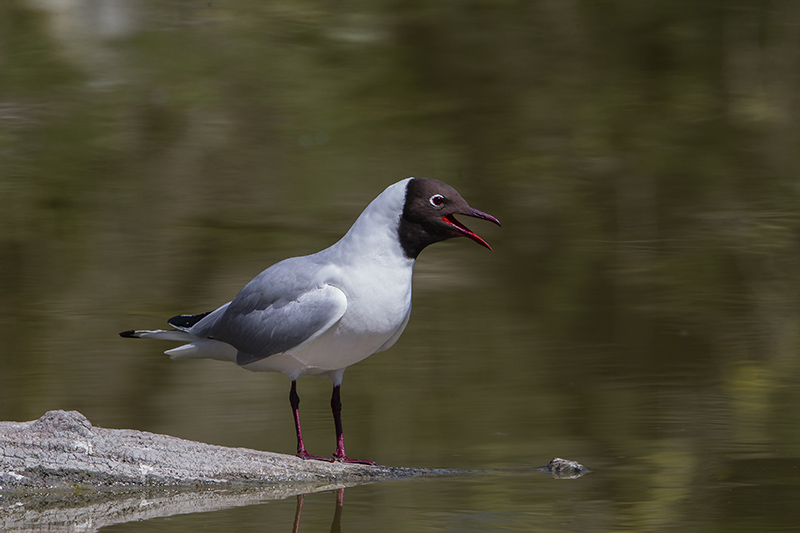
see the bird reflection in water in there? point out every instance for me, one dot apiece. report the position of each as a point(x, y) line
point(336, 525)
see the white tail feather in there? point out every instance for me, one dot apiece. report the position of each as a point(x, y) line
point(164, 334)
point(204, 349)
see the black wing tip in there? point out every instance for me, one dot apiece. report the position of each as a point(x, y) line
point(129, 334)
point(186, 321)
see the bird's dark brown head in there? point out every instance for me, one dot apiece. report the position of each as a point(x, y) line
point(429, 216)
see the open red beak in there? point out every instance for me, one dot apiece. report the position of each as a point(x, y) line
point(461, 229)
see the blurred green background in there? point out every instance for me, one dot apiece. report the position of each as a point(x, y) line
point(640, 310)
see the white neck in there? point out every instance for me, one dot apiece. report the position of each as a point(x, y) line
point(374, 233)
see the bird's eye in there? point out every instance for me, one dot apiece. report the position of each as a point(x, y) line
point(436, 200)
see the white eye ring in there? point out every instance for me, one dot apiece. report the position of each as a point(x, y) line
point(437, 200)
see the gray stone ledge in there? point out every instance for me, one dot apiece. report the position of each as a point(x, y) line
point(63, 450)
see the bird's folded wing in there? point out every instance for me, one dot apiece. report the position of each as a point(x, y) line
point(259, 326)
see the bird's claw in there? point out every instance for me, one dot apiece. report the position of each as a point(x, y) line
point(307, 456)
point(345, 459)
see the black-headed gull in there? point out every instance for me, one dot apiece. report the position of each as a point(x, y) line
point(320, 313)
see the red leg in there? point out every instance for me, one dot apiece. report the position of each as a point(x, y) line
point(339, 454)
point(294, 400)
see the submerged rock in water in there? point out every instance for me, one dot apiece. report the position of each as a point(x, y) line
point(565, 469)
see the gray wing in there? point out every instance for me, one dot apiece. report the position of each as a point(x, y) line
point(275, 313)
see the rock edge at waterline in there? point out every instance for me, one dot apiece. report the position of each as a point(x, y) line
point(62, 449)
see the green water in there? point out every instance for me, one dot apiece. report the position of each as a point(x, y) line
point(639, 312)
